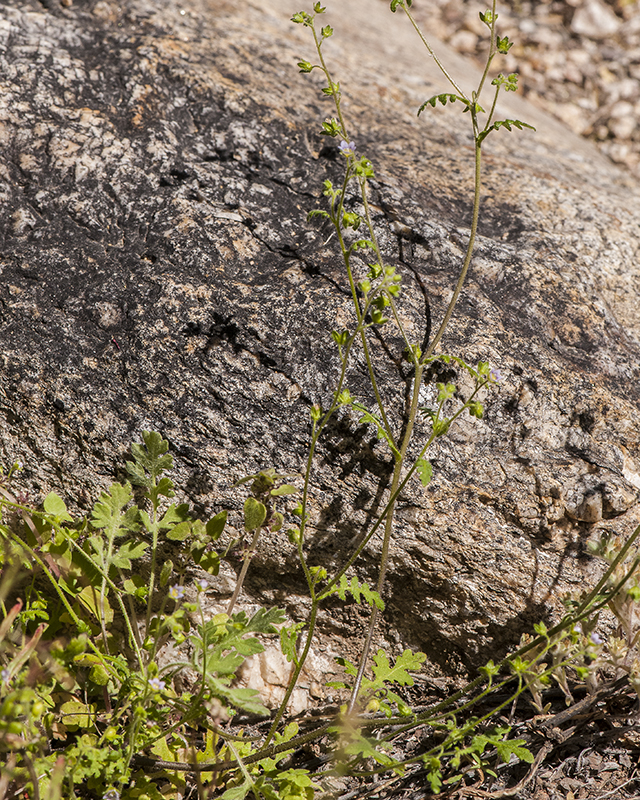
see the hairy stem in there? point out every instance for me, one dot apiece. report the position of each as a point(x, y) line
point(467, 259)
point(243, 571)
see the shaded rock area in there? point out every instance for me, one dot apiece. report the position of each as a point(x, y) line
point(157, 272)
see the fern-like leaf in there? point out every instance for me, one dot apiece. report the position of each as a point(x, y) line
point(504, 123)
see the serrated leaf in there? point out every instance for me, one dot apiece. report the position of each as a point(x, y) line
point(288, 640)
point(164, 487)
point(129, 551)
point(503, 123)
point(348, 667)
point(443, 99)
point(255, 514)
point(357, 589)
point(96, 543)
point(372, 598)
point(264, 620)
point(161, 749)
point(174, 514)
point(366, 749)
point(227, 664)
point(507, 748)
point(237, 792)
point(399, 672)
point(108, 513)
point(153, 457)
point(318, 212)
point(434, 776)
point(226, 643)
point(360, 244)
point(243, 698)
point(146, 520)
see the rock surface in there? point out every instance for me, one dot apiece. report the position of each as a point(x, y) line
point(158, 272)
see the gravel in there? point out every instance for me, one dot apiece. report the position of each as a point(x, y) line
point(577, 59)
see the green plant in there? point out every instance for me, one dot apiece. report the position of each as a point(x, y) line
point(99, 680)
point(375, 299)
point(75, 673)
point(82, 661)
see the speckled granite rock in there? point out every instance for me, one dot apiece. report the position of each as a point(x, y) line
point(157, 271)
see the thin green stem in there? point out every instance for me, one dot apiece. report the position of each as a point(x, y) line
point(243, 571)
point(108, 582)
point(337, 218)
point(328, 590)
point(493, 108)
point(492, 51)
point(384, 558)
point(72, 614)
point(154, 558)
point(372, 377)
point(441, 66)
point(468, 256)
point(296, 673)
point(318, 428)
point(334, 93)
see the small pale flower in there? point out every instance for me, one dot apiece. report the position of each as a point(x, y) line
point(156, 684)
point(202, 585)
point(5, 674)
point(597, 639)
point(111, 794)
point(19, 465)
point(176, 592)
point(348, 148)
point(495, 375)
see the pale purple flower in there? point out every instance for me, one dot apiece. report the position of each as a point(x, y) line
point(348, 148)
point(156, 684)
point(495, 375)
point(5, 674)
point(176, 592)
point(596, 639)
point(202, 585)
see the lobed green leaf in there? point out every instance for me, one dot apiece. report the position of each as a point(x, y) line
point(443, 99)
point(503, 123)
